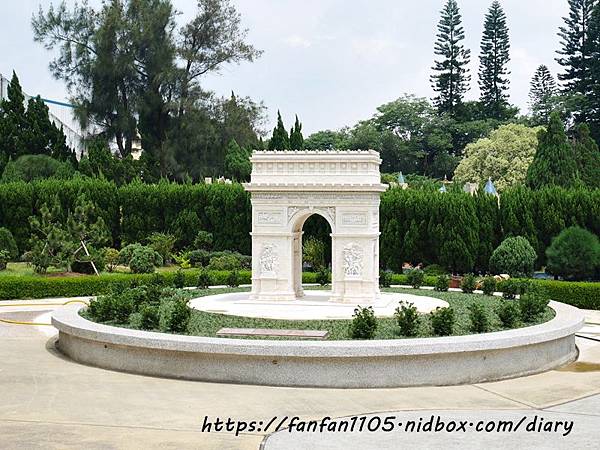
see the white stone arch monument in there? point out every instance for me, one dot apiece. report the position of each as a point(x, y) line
point(287, 187)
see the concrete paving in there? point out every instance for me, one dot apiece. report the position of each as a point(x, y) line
point(315, 305)
point(50, 402)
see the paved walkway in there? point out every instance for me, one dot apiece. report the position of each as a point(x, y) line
point(51, 402)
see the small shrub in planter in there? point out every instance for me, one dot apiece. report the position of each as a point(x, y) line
point(233, 279)
point(514, 256)
point(323, 277)
point(442, 283)
point(179, 279)
point(173, 314)
point(203, 279)
point(4, 257)
point(511, 288)
point(442, 321)
point(149, 317)
point(385, 279)
point(488, 285)
point(416, 277)
point(509, 313)
point(407, 317)
point(480, 322)
point(364, 323)
point(468, 283)
point(8, 243)
point(533, 303)
point(135, 320)
point(101, 309)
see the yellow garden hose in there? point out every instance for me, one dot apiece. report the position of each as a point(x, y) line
point(16, 322)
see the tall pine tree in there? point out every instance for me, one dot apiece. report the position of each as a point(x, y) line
point(280, 139)
point(543, 91)
point(451, 79)
point(575, 52)
point(554, 162)
point(593, 96)
point(494, 57)
point(296, 138)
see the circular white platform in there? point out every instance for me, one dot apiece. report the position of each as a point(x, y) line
point(314, 306)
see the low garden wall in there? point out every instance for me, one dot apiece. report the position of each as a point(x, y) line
point(333, 364)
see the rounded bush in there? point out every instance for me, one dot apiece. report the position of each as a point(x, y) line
point(442, 283)
point(173, 314)
point(514, 256)
point(385, 279)
point(480, 322)
point(468, 283)
point(442, 321)
point(574, 254)
point(416, 277)
point(8, 243)
point(407, 317)
point(488, 285)
point(144, 260)
point(509, 313)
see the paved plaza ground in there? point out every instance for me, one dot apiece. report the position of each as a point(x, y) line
point(51, 402)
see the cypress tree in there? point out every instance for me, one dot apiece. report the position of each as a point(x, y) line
point(451, 79)
point(12, 121)
point(543, 90)
point(575, 52)
point(280, 139)
point(495, 55)
point(587, 156)
point(296, 138)
point(554, 162)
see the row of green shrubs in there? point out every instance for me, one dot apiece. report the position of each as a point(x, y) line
point(34, 286)
point(527, 309)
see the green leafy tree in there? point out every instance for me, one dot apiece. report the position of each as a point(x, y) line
point(450, 80)
point(35, 167)
point(587, 156)
point(554, 162)
point(542, 95)
point(504, 156)
point(327, 140)
point(574, 254)
point(313, 251)
point(514, 256)
point(280, 139)
point(237, 162)
point(494, 57)
point(296, 138)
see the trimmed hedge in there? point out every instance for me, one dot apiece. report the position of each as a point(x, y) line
point(35, 286)
point(579, 294)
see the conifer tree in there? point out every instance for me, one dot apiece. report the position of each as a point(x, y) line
point(237, 162)
point(593, 96)
point(12, 121)
point(450, 79)
point(587, 156)
point(554, 162)
point(296, 138)
point(494, 57)
point(575, 51)
point(543, 91)
point(280, 139)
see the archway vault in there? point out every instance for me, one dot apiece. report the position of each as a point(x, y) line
point(287, 188)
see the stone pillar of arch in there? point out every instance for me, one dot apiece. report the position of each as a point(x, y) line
point(287, 187)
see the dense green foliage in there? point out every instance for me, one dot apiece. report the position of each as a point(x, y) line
point(456, 231)
point(363, 324)
point(542, 95)
point(442, 321)
point(408, 319)
point(515, 256)
point(554, 163)
point(8, 243)
point(574, 254)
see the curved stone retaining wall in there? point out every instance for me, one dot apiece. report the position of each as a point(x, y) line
point(335, 364)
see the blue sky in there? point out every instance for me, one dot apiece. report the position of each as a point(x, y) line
point(332, 62)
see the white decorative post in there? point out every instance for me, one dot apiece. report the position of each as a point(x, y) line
point(287, 188)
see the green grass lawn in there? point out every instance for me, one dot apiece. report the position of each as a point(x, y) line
point(207, 324)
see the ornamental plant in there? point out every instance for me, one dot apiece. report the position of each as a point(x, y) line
point(407, 318)
point(533, 303)
point(514, 256)
point(480, 322)
point(488, 285)
point(574, 254)
point(416, 277)
point(364, 323)
point(509, 313)
point(442, 321)
point(442, 283)
point(385, 279)
point(8, 243)
point(468, 283)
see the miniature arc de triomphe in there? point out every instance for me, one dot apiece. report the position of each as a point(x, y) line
point(287, 187)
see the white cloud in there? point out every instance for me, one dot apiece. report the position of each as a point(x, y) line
point(297, 41)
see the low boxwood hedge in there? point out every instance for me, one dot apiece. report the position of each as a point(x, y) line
point(580, 294)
